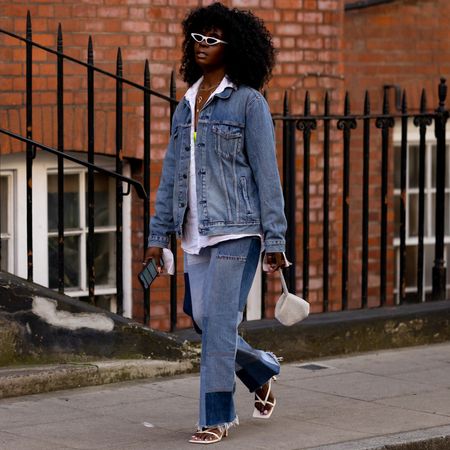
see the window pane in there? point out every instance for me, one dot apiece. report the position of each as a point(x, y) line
point(4, 255)
point(71, 202)
point(411, 266)
point(71, 262)
point(4, 207)
point(413, 172)
point(105, 258)
point(104, 201)
point(104, 301)
point(413, 214)
point(397, 167)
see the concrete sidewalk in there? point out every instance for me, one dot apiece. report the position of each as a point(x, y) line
point(394, 399)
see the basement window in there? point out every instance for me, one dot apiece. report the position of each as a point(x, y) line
point(76, 236)
point(412, 217)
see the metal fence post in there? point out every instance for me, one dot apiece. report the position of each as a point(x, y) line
point(30, 147)
point(439, 269)
point(60, 101)
point(119, 187)
point(346, 125)
point(90, 251)
point(146, 179)
point(289, 191)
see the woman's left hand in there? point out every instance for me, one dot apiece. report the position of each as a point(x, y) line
point(275, 261)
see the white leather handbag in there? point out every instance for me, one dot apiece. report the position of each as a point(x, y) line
point(290, 309)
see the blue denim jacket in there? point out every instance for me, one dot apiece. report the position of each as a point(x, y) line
point(238, 185)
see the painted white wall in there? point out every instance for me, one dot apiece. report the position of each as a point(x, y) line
point(15, 164)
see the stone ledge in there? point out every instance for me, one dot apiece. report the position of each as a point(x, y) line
point(340, 333)
point(38, 379)
point(42, 326)
point(345, 332)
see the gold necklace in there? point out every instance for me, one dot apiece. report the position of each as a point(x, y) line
point(200, 97)
point(211, 87)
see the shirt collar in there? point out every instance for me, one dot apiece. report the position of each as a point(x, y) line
point(191, 93)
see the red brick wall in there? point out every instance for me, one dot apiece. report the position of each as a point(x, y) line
point(307, 34)
point(403, 43)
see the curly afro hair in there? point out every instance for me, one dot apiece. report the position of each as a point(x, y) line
point(249, 54)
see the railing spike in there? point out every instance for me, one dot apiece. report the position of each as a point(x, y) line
point(326, 103)
point(442, 92)
point(347, 103)
point(119, 61)
point(404, 102)
point(90, 51)
point(286, 103)
point(367, 103)
point(146, 74)
point(59, 39)
point(423, 101)
point(385, 102)
point(307, 104)
point(29, 31)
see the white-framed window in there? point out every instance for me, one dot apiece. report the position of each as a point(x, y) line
point(76, 235)
point(412, 212)
point(13, 167)
point(7, 235)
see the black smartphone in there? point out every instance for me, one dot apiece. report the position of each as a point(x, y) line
point(148, 274)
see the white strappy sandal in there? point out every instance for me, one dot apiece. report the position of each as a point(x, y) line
point(218, 435)
point(259, 414)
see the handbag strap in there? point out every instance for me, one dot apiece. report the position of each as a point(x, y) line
point(283, 282)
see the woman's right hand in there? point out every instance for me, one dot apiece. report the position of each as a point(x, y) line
point(154, 253)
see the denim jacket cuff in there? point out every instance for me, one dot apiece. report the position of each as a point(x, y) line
point(158, 241)
point(274, 245)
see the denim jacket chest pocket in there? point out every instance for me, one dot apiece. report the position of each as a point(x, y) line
point(227, 140)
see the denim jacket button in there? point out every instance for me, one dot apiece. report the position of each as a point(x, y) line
point(184, 176)
point(187, 148)
point(181, 205)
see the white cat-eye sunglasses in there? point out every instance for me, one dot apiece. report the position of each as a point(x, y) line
point(208, 39)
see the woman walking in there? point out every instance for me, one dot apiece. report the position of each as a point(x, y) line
point(220, 192)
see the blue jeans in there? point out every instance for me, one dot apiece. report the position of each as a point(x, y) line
point(219, 279)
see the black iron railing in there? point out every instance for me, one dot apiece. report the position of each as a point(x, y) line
point(32, 145)
point(308, 124)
